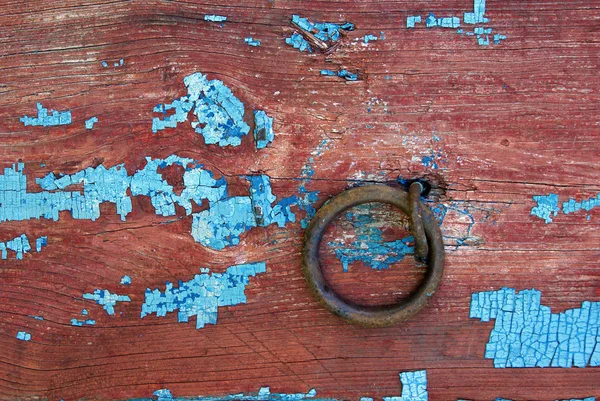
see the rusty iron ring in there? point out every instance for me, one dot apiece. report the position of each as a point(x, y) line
point(429, 247)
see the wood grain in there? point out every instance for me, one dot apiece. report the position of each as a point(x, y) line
point(516, 120)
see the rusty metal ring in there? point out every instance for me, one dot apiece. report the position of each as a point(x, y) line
point(428, 245)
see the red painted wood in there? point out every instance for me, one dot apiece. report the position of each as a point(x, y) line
point(516, 120)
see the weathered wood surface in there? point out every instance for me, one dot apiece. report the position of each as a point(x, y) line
point(516, 120)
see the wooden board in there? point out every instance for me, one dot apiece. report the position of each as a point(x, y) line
point(515, 120)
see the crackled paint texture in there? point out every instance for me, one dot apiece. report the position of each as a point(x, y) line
point(219, 114)
point(548, 206)
point(216, 227)
point(325, 32)
point(481, 33)
point(47, 120)
point(81, 323)
point(203, 295)
point(306, 198)
point(263, 129)
point(527, 334)
point(106, 299)
point(23, 336)
point(40, 243)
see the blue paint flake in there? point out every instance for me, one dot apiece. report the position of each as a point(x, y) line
point(263, 129)
point(215, 18)
point(19, 245)
point(203, 295)
point(348, 76)
point(477, 16)
point(40, 243)
point(126, 280)
point(47, 120)
point(412, 20)
point(369, 246)
point(104, 64)
point(81, 323)
point(414, 387)
point(527, 334)
point(36, 317)
point(446, 22)
point(306, 199)
point(89, 124)
point(106, 299)
point(325, 32)
point(84, 312)
point(219, 114)
point(297, 41)
point(547, 206)
point(368, 38)
point(222, 224)
point(23, 336)
point(252, 42)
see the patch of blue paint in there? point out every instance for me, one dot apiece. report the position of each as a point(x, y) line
point(263, 129)
point(104, 64)
point(252, 42)
point(547, 206)
point(572, 206)
point(84, 312)
point(477, 16)
point(36, 317)
point(297, 41)
point(219, 114)
point(47, 120)
point(40, 243)
point(412, 20)
point(80, 323)
point(222, 224)
point(414, 387)
point(499, 38)
point(215, 18)
point(527, 334)
point(19, 245)
point(126, 280)
point(381, 35)
point(446, 22)
point(306, 199)
point(23, 336)
point(483, 41)
point(203, 295)
point(368, 38)
point(348, 76)
point(369, 246)
point(89, 124)
point(107, 300)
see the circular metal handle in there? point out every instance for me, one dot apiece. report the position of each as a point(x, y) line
point(428, 246)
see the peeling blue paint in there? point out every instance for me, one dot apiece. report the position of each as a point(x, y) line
point(348, 76)
point(414, 387)
point(412, 20)
point(222, 224)
point(19, 245)
point(203, 295)
point(47, 120)
point(527, 334)
point(368, 38)
point(263, 129)
point(106, 299)
point(220, 115)
point(40, 243)
point(104, 64)
point(477, 16)
point(84, 312)
point(126, 280)
point(81, 323)
point(323, 31)
point(306, 199)
point(446, 22)
point(369, 246)
point(23, 336)
point(215, 18)
point(36, 317)
point(547, 206)
point(297, 41)
point(252, 42)
point(89, 124)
